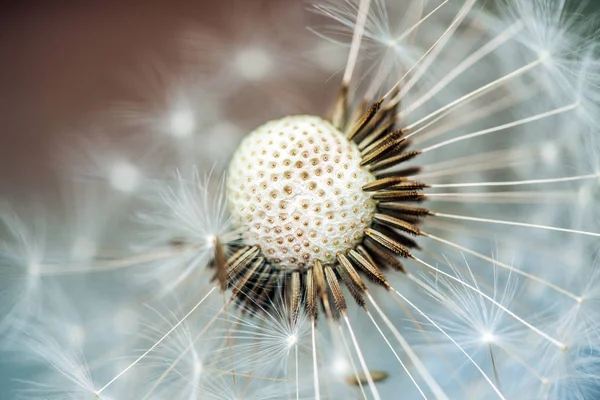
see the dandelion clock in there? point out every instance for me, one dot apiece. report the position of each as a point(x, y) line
point(401, 201)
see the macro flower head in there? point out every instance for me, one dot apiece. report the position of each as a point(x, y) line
point(400, 201)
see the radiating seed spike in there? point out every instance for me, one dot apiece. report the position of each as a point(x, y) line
point(340, 108)
point(321, 286)
point(383, 183)
point(399, 195)
point(384, 151)
point(250, 253)
point(376, 134)
point(397, 223)
point(372, 126)
point(296, 294)
point(258, 282)
point(228, 264)
point(370, 269)
point(239, 285)
point(385, 256)
point(235, 267)
point(346, 264)
point(319, 278)
point(237, 254)
point(401, 147)
point(392, 161)
point(388, 113)
point(363, 252)
point(385, 139)
point(406, 217)
point(327, 308)
point(385, 133)
point(311, 294)
point(265, 292)
point(409, 185)
point(404, 240)
point(364, 120)
point(221, 264)
point(259, 289)
point(404, 209)
point(388, 243)
point(354, 290)
point(336, 291)
point(409, 171)
point(358, 112)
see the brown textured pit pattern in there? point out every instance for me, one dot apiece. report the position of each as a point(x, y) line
point(294, 189)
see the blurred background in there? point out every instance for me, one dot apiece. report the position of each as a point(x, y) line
point(64, 63)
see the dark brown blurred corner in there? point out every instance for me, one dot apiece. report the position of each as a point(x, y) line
point(61, 61)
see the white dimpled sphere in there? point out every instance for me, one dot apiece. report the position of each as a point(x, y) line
point(294, 189)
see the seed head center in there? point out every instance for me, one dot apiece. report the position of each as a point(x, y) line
point(294, 189)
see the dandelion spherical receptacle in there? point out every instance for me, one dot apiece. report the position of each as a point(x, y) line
point(294, 188)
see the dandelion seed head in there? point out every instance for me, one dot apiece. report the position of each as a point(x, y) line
point(295, 188)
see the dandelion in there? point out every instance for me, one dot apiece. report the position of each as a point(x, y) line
point(433, 234)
